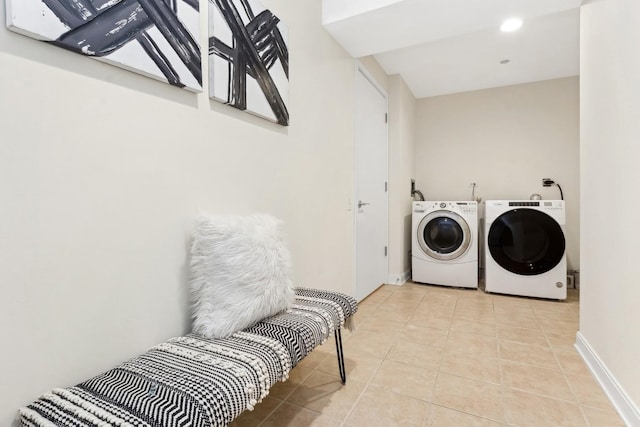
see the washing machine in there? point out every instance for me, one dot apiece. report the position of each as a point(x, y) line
point(444, 247)
point(525, 248)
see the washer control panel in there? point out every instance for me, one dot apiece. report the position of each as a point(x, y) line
point(468, 207)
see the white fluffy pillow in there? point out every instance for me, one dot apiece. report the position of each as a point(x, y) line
point(239, 273)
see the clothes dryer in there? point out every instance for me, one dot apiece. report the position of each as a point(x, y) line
point(445, 243)
point(525, 248)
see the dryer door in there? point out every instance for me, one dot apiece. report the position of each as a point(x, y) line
point(444, 235)
point(526, 241)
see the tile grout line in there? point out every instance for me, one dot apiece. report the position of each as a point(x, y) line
point(271, 413)
point(503, 387)
point(429, 402)
point(435, 381)
point(439, 371)
point(571, 387)
point(372, 376)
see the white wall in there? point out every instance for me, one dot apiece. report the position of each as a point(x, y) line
point(505, 140)
point(402, 129)
point(610, 131)
point(102, 172)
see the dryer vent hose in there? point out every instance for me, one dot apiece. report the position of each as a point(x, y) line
point(420, 195)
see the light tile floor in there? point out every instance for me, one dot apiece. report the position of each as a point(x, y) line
point(434, 356)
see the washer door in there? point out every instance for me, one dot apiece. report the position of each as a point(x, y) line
point(444, 235)
point(526, 242)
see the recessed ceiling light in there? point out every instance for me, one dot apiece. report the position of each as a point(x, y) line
point(504, 61)
point(511, 25)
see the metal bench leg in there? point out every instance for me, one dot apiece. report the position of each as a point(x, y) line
point(343, 373)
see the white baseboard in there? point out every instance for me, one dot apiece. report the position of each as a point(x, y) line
point(399, 279)
point(627, 410)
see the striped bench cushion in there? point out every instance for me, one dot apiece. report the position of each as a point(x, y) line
point(196, 381)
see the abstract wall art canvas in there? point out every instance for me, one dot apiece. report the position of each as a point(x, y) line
point(156, 38)
point(249, 58)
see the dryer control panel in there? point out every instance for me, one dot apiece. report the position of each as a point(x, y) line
point(524, 203)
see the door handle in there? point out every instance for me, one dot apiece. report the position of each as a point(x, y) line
point(361, 204)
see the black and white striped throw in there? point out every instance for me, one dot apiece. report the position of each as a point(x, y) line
point(196, 381)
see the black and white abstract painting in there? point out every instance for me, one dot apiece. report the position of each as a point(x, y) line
point(249, 58)
point(156, 38)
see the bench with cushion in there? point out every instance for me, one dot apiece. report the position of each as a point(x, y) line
point(250, 328)
point(197, 381)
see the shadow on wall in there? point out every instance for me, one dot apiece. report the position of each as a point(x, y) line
point(407, 242)
point(185, 295)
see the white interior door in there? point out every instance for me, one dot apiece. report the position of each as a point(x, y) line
point(371, 172)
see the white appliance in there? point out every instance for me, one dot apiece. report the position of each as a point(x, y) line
point(525, 248)
point(444, 247)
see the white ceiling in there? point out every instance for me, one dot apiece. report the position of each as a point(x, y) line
point(447, 46)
